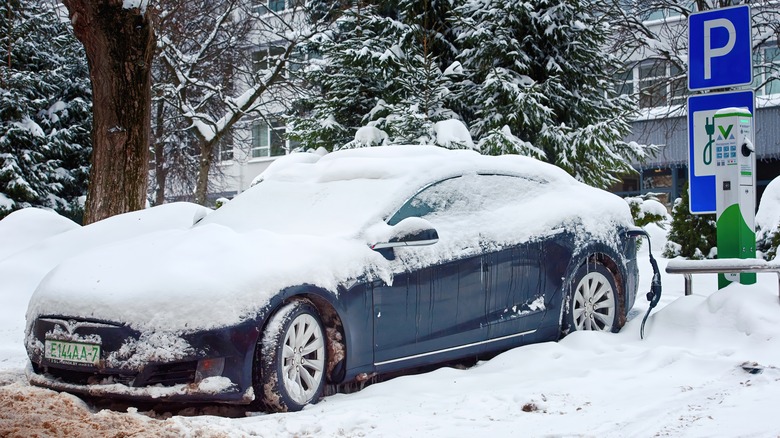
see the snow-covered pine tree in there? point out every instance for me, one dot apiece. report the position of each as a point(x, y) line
point(45, 118)
point(346, 75)
point(425, 73)
point(692, 236)
point(542, 85)
point(383, 64)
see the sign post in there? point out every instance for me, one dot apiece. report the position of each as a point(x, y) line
point(721, 152)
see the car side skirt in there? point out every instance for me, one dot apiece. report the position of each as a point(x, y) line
point(453, 349)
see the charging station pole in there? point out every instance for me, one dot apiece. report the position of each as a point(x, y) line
point(735, 177)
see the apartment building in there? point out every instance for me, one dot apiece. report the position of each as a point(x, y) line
point(660, 91)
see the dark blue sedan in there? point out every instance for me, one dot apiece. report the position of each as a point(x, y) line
point(334, 269)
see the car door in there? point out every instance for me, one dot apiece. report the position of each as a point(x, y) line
point(434, 309)
point(426, 313)
point(515, 290)
point(515, 280)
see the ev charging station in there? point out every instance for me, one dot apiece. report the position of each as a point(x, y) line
point(735, 181)
point(721, 149)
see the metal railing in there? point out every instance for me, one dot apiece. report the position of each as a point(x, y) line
point(721, 266)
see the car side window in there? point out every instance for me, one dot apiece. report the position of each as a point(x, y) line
point(458, 197)
point(435, 197)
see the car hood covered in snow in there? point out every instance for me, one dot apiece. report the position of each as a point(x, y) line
point(200, 278)
point(224, 269)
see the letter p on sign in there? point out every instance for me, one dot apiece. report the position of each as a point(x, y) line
point(713, 52)
point(720, 48)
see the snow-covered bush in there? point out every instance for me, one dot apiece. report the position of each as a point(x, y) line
point(220, 202)
point(646, 209)
point(365, 137)
point(768, 221)
point(453, 134)
point(449, 133)
point(692, 235)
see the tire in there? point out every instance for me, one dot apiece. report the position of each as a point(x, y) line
point(594, 301)
point(292, 358)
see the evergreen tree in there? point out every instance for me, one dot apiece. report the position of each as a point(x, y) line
point(528, 77)
point(692, 236)
point(45, 117)
point(384, 65)
point(423, 79)
point(541, 86)
point(346, 77)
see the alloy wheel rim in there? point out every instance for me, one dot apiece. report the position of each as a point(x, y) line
point(594, 303)
point(303, 358)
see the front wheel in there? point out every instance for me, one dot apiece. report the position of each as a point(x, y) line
point(292, 359)
point(595, 300)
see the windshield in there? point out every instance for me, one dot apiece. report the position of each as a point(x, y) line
point(334, 208)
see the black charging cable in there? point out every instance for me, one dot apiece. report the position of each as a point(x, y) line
point(654, 296)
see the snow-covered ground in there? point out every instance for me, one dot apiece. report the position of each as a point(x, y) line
point(686, 378)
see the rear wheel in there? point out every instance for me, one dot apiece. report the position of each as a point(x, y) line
point(594, 302)
point(292, 358)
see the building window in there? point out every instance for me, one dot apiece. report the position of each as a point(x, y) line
point(624, 82)
point(266, 6)
point(225, 152)
point(655, 84)
point(657, 178)
point(772, 60)
point(627, 186)
point(296, 62)
point(266, 57)
point(652, 85)
point(268, 140)
point(766, 62)
point(678, 88)
point(659, 182)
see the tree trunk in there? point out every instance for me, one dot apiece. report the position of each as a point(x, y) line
point(119, 44)
point(206, 158)
point(160, 168)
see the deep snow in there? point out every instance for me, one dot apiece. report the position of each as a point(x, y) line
point(686, 378)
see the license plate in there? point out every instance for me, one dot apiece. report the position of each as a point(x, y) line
point(76, 353)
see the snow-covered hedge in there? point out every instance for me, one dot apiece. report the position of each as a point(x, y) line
point(646, 209)
point(768, 221)
point(692, 235)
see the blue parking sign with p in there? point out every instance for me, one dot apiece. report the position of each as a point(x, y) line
point(720, 48)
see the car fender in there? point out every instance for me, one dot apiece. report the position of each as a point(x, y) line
point(348, 319)
point(614, 262)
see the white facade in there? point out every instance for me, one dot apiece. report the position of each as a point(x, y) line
point(259, 140)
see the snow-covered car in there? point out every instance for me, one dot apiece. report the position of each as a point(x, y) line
point(335, 268)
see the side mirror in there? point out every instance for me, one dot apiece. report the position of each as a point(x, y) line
point(412, 231)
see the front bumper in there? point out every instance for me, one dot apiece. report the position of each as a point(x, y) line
point(205, 366)
point(210, 389)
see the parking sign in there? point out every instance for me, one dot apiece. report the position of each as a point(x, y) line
point(720, 48)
